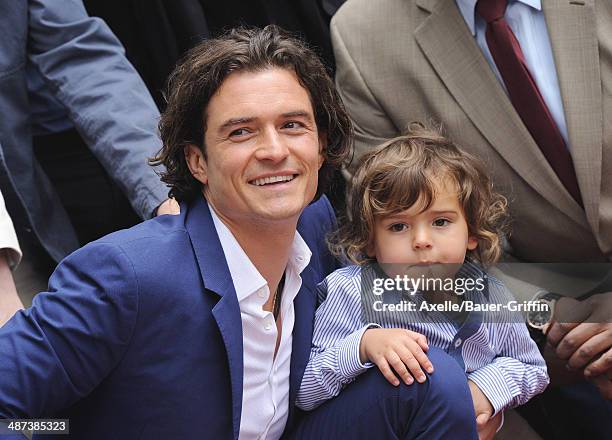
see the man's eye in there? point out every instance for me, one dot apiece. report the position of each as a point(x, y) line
point(398, 227)
point(293, 124)
point(240, 132)
point(441, 222)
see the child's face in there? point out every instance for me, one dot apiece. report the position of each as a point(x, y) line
point(436, 235)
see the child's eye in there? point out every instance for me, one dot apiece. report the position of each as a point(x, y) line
point(441, 222)
point(398, 227)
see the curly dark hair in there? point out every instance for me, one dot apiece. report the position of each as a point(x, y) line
point(406, 170)
point(202, 71)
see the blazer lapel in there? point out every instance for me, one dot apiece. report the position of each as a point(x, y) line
point(217, 279)
point(304, 306)
point(454, 54)
point(572, 32)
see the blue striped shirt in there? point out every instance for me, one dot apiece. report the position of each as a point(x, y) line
point(494, 348)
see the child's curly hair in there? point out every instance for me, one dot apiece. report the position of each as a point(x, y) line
point(403, 171)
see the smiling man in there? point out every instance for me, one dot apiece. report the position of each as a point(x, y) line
point(200, 325)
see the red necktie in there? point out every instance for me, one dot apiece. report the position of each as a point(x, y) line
point(524, 93)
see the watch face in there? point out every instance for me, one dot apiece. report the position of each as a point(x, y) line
point(540, 313)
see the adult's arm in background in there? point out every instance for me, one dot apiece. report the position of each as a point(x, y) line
point(84, 65)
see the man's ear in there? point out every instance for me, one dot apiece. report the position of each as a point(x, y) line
point(472, 243)
point(322, 147)
point(194, 156)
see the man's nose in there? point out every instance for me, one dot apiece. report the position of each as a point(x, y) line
point(273, 147)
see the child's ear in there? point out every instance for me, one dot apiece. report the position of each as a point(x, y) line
point(472, 243)
point(370, 251)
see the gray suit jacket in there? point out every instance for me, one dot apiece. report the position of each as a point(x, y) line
point(85, 67)
point(405, 60)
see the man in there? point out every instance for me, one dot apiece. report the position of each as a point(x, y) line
point(200, 325)
point(405, 60)
point(61, 68)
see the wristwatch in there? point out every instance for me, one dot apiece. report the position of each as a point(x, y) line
point(540, 314)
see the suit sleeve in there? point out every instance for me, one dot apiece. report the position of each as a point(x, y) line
point(60, 349)
point(84, 65)
point(372, 125)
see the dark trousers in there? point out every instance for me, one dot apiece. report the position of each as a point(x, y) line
point(372, 408)
point(569, 412)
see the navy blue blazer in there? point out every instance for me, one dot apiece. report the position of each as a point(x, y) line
point(140, 334)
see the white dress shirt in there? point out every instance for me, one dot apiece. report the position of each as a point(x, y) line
point(8, 239)
point(527, 21)
point(265, 388)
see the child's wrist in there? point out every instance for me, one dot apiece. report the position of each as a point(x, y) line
point(363, 357)
point(363, 353)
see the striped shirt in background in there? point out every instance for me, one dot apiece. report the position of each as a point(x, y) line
point(494, 348)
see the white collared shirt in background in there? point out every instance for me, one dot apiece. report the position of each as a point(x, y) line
point(8, 239)
point(527, 21)
point(265, 388)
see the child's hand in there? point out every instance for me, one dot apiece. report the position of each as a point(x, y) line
point(487, 426)
point(398, 348)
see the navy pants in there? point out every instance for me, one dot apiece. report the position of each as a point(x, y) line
point(370, 407)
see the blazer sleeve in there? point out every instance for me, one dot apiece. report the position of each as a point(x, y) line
point(85, 67)
point(60, 349)
point(372, 124)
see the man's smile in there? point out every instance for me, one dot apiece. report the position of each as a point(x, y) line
point(274, 179)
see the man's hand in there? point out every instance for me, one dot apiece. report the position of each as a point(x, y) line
point(398, 348)
point(582, 335)
point(168, 206)
point(487, 426)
